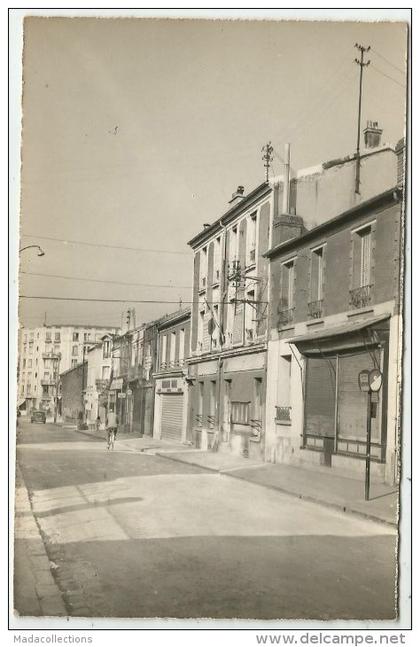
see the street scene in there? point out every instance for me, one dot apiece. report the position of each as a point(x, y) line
point(133, 534)
point(210, 345)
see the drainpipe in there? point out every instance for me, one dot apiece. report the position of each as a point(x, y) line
point(220, 371)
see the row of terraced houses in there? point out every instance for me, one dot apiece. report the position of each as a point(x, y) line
point(297, 287)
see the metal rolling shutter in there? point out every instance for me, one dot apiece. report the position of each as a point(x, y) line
point(171, 422)
point(320, 397)
point(352, 402)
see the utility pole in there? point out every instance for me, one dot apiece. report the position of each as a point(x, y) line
point(362, 63)
point(267, 158)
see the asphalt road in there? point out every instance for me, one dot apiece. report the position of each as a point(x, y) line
point(135, 535)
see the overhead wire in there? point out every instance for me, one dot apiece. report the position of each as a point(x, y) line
point(388, 61)
point(95, 300)
point(387, 76)
point(106, 281)
point(106, 245)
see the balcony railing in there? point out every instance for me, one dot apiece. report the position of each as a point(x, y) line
point(285, 317)
point(283, 414)
point(199, 420)
point(361, 297)
point(315, 309)
point(49, 381)
point(211, 421)
point(51, 355)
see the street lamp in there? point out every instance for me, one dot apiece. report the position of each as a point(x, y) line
point(40, 252)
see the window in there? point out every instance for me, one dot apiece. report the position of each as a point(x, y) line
point(163, 351)
point(233, 247)
point(24, 363)
point(29, 363)
point(181, 351)
point(172, 348)
point(200, 403)
point(317, 283)
point(251, 242)
point(57, 337)
point(217, 259)
point(212, 408)
point(86, 336)
point(56, 348)
point(106, 349)
point(200, 331)
point(203, 268)
point(360, 294)
point(106, 371)
point(31, 336)
point(258, 399)
point(73, 363)
point(75, 350)
point(215, 334)
point(48, 336)
point(75, 336)
point(46, 375)
point(250, 316)
point(287, 296)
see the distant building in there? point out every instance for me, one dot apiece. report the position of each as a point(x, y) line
point(73, 384)
point(43, 354)
point(98, 378)
point(171, 388)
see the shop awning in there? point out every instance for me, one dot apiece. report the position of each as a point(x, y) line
point(336, 336)
point(116, 384)
point(21, 402)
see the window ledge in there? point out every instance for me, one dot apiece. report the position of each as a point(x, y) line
point(360, 311)
point(286, 423)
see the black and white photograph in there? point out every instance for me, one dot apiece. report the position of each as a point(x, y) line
point(211, 224)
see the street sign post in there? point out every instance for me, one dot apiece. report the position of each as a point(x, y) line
point(369, 382)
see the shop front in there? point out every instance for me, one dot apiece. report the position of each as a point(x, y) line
point(335, 408)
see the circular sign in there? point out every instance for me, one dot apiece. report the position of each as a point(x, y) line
point(375, 379)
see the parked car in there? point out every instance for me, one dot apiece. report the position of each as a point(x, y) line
point(38, 416)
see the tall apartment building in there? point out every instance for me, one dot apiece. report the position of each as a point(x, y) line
point(46, 352)
point(235, 292)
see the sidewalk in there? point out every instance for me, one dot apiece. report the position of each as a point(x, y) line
point(343, 493)
point(35, 590)
point(318, 486)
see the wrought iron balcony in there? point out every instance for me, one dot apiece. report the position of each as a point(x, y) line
point(48, 381)
point(361, 297)
point(283, 414)
point(211, 421)
point(199, 420)
point(51, 355)
point(285, 317)
point(315, 309)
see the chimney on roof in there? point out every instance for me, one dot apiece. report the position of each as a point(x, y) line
point(372, 134)
point(238, 195)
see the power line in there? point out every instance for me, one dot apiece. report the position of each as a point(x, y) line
point(91, 300)
point(78, 278)
point(389, 62)
point(387, 76)
point(88, 244)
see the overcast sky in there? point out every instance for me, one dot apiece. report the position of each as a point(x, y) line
point(136, 132)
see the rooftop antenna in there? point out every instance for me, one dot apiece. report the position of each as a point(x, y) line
point(267, 158)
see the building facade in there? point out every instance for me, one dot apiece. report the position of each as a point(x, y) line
point(171, 387)
point(98, 378)
point(336, 310)
point(46, 352)
point(228, 326)
point(73, 384)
